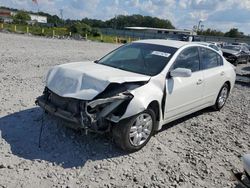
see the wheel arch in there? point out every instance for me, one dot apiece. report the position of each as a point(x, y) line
point(149, 95)
point(229, 85)
point(155, 106)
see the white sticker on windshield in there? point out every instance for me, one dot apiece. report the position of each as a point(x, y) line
point(163, 54)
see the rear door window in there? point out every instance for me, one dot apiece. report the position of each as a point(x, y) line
point(210, 59)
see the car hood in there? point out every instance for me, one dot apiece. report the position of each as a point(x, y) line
point(230, 51)
point(85, 80)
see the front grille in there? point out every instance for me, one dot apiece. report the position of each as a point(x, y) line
point(67, 104)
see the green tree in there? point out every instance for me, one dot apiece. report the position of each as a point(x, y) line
point(211, 32)
point(234, 33)
point(21, 17)
point(96, 32)
point(122, 21)
point(80, 28)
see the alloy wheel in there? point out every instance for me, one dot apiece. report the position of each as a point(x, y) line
point(223, 96)
point(140, 129)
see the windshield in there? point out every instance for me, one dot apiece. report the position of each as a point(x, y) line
point(235, 48)
point(148, 59)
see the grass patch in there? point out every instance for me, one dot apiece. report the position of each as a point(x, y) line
point(111, 39)
point(61, 31)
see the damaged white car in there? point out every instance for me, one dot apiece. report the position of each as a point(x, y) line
point(136, 89)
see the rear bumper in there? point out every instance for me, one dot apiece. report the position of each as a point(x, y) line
point(53, 110)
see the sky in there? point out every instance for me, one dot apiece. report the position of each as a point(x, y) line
point(184, 14)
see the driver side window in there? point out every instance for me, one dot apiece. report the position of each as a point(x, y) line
point(189, 59)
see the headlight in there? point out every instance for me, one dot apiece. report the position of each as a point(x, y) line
point(121, 96)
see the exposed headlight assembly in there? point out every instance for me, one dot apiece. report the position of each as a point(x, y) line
point(119, 97)
point(101, 108)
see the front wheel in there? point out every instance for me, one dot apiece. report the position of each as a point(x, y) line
point(134, 133)
point(222, 97)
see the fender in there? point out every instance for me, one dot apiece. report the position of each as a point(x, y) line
point(143, 96)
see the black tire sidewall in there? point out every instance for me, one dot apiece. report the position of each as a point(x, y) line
point(217, 106)
point(123, 129)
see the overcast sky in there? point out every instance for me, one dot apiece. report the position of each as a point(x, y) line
point(217, 14)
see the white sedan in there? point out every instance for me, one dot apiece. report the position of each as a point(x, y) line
point(136, 89)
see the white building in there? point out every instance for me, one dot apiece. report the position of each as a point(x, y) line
point(38, 18)
point(6, 16)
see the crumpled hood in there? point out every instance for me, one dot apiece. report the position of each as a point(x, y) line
point(233, 52)
point(85, 80)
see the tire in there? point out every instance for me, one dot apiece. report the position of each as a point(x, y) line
point(123, 132)
point(222, 97)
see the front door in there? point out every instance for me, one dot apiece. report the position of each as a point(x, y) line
point(184, 94)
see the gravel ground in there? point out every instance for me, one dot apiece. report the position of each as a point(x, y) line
point(197, 151)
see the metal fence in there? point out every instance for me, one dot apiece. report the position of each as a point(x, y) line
point(147, 35)
point(224, 39)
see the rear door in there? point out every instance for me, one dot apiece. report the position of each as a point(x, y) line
point(213, 74)
point(184, 94)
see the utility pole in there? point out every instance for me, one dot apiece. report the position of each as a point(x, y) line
point(61, 14)
point(199, 25)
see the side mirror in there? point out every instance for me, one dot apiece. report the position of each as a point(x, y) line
point(181, 72)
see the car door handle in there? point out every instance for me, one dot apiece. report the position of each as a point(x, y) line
point(222, 73)
point(199, 82)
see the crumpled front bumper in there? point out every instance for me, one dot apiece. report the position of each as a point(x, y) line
point(84, 114)
point(53, 110)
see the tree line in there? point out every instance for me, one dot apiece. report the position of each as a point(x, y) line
point(233, 32)
point(87, 25)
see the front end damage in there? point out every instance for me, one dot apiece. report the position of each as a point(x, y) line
point(95, 115)
point(90, 96)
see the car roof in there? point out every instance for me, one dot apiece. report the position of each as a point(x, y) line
point(170, 43)
point(204, 43)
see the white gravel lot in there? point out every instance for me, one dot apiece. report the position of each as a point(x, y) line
point(197, 151)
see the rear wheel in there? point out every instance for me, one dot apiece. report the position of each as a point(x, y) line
point(222, 97)
point(134, 133)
